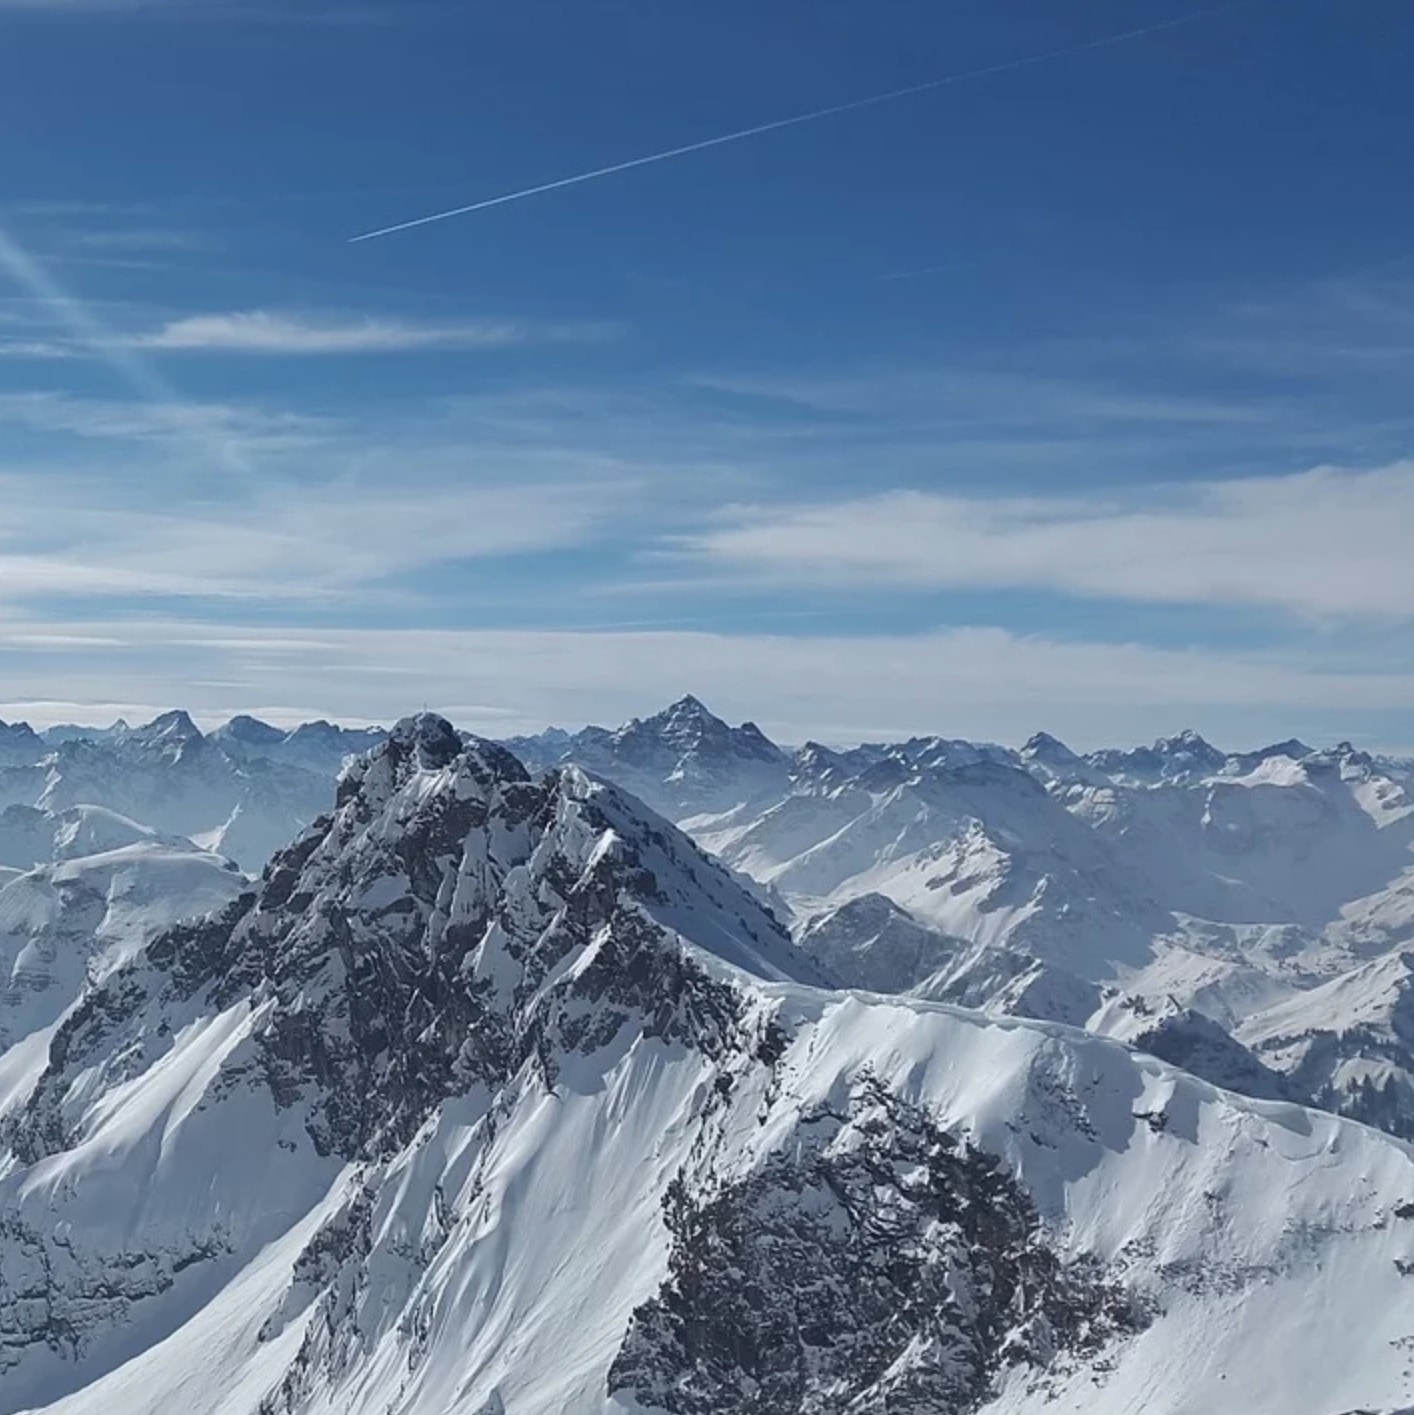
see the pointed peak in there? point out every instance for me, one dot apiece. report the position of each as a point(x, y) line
point(1042, 744)
point(176, 725)
point(688, 707)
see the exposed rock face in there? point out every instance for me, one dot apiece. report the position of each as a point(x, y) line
point(1186, 1038)
point(870, 942)
point(877, 1264)
point(1349, 1044)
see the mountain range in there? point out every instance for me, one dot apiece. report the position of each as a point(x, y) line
point(1175, 882)
point(667, 1069)
point(243, 790)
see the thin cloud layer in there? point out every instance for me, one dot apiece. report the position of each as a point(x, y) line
point(275, 333)
point(287, 545)
point(1328, 542)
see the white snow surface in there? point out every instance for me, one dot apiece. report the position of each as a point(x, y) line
point(1265, 1233)
point(64, 924)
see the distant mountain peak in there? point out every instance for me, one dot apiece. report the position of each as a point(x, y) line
point(688, 720)
point(176, 725)
point(1047, 748)
point(1188, 742)
point(250, 731)
point(688, 706)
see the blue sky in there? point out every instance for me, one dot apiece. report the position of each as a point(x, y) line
point(1072, 395)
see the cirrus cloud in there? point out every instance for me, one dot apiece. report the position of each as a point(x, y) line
point(277, 333)
point(1327, 542)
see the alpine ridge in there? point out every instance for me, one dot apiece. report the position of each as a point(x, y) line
point(495, 1093)
point(1168, 895)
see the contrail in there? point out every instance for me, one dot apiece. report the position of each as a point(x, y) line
point(1006, 66)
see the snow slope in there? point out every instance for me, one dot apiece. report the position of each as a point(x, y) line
point(80, 918)
point(497, 1097)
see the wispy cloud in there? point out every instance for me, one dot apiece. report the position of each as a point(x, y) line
point(279, 543)
point(34, 349)
point(278, 333)
point(973, 397)
point(287, 334)
point(271, 332)
point(169, 422)
point(157, 239)
point(1324, 542)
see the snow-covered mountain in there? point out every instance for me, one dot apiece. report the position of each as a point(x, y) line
point(81, 917)
point(1348, 1043)
point(232, 791)
point(320, 747)
point(496, 1095)
point(1176, 883)
point(20, 744)
point(682, 761)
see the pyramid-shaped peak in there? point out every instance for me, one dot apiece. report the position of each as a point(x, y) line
point(176, 725)
point(688, 708)
point(1047, 747)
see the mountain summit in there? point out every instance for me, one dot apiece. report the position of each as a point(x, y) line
point(683, 760)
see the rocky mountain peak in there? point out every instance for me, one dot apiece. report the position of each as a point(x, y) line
point(689, 728)
point(249, 731)
point(176, 725)
point(20, 744)
point(432, 739)
point(1192, 749)
point(1043, 747)
point(450, 920)
point(172, 736)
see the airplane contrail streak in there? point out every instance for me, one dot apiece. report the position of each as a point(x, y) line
point(873, 100)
